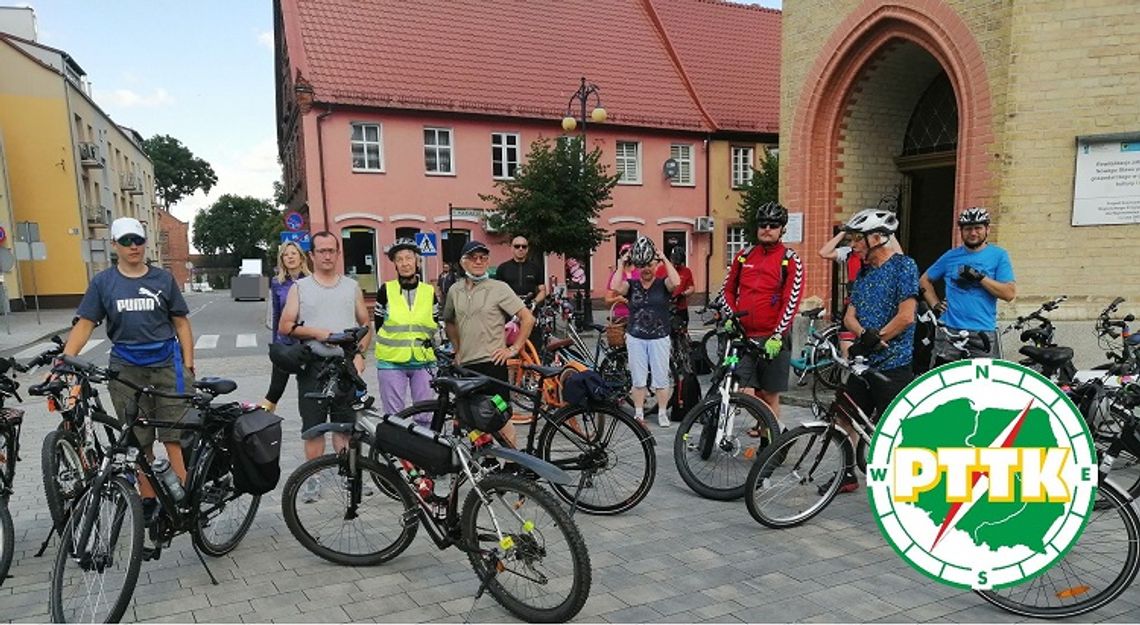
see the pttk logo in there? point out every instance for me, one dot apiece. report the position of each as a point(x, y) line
point(982, 474)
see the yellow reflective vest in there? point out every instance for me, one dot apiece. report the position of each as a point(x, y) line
point(400, 339)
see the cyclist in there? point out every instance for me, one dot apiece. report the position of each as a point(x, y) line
point(767, 281)
point(683, 290)
point(152, 343)
point(881, 315)
point(405, 316)
point(618, 302)
point(524, 276)
point(976, 274)
point(850, 264)
point(291, 266)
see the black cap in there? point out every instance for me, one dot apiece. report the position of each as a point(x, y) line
point(475, 246)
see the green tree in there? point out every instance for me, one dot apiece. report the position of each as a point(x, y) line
point(240, 226)
point(764, 187)
point(177, 172)
point(553, 198)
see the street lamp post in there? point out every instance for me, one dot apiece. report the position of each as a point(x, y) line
point(582, 96)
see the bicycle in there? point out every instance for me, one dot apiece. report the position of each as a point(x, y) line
point(1043, 354)
point(10, 421)
point(507, 526)
point(800, 473)
point(101, 548)
point(1105, 559)
point(711, 448)
point(813, 357)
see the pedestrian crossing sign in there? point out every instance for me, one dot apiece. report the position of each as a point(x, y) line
point(426, 242)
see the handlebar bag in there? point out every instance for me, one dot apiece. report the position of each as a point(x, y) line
point(255, 451)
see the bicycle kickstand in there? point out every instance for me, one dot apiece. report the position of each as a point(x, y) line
point(213, 580)
point(55, 529)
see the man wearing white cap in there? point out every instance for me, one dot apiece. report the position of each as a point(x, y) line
point(153, 344)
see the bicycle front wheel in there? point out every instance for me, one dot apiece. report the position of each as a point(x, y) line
point(319, 512)
point(797, 476)
point(7, 540)
point(530, 548)
point(716, 444)
point(1096, 570)
point(63, 471)
point(224, 514)
point(608, 452)
point(93, 582)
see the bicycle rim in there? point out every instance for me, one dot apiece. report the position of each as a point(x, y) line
point(607, 453)
point(797, 476)
point(1096, 570)
point(377, 530)
point(7, 540)
point(541, 568)
point(224, 515)
point(63, 471)
point(98, 587)
point(719, 469)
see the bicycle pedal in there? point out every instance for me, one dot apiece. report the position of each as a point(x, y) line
point(151, 553)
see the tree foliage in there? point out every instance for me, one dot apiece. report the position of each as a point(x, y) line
point(764, 187)
point(553, 198)
point(241, 226)
point(177, 172)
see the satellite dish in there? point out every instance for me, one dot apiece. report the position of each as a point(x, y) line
point(671, 168)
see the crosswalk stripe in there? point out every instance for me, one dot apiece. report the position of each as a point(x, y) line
point(247, 340)
point(206, 341)
point(92, 344)
point(32, 351)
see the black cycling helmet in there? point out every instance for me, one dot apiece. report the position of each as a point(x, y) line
point(871, 221)
point(643, 252)
point(402, 244)
point(677, 256)
point(772, 211)
point(974, 216)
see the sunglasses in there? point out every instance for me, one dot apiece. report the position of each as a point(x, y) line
point(131, 239)
point(520, 247)
point(770, 225)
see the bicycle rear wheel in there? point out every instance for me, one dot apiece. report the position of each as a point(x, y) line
point(712, 346)
point(714, 446)
point(609, 453)
point(1096, 570)
point(224, 515)
point(797, 476)
point(63, 471)
point(540, 568)
point(97, 587)
point(380, 528)
point(7, 540)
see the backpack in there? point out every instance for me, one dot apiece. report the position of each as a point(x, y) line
point(255, 452)
point(746, 252)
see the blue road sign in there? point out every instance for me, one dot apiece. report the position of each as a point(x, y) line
point(300, 238)
point(427, 243)
point(294, 221)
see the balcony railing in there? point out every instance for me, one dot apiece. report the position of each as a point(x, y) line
point(90, 156)
point(132, 183)
point(96, 215)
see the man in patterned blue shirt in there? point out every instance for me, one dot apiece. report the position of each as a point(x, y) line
point(881, 315)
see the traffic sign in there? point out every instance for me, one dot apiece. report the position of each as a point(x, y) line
point(3, 234)
point(427, 243)
point(300, 238)
point(294, 221)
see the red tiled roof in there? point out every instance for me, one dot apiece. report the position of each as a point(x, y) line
point(524, 58)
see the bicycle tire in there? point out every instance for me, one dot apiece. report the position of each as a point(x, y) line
point(126, 512)
point(392, 500)
point(766, 483)
point(732, 457)
point(7, 540)
point(215, 489)
point(532, 535)
point(63, 471)
point(1067, 578)
point(712, 348)
point(608, 487)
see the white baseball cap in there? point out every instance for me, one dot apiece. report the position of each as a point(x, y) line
point(123, 226)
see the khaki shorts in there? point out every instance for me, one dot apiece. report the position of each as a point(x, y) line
point(151, 408)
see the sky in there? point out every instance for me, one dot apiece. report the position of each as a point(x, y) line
point(200, 71)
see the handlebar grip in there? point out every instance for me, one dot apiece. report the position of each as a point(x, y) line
point(47, 388)
point(77, 363)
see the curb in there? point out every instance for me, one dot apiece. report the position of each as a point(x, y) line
point(41, 339)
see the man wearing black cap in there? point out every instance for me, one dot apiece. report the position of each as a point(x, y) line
point(474, 316)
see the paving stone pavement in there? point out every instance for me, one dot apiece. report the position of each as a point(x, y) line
point(674, 558)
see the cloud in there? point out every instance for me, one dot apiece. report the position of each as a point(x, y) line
point(265, 39)
point(128, 98)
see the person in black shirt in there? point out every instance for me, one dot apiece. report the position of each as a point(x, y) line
point(523, 276)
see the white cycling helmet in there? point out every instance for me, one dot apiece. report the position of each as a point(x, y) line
point(643, 252)
point(871, 221)
point(974, 216)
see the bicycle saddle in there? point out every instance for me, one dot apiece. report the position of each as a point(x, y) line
point(557, 344)
point(597, 327)
point(216, 386)
point(460, 386)
point(544, 372)
point(814, 313)
point(1048, 356)
point(11, 416)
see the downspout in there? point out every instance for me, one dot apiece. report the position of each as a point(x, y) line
point(78, 194)
point(708, 213)
point(321, 165)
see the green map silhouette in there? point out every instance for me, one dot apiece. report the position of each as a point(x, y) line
point(989, 524)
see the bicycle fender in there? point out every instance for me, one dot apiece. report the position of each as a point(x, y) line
point(322, 429)
point(544, 469)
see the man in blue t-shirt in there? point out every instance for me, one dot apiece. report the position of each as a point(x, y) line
point(152, 343)
point(976, 274)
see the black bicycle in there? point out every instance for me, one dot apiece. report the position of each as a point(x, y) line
point(10, 421)
point(101, 549)
point(524, 547)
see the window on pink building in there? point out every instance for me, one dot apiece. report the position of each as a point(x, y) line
point(683, 154)
point(504, 154)
point(629, 162)
point(438, 151)
point(367, 148)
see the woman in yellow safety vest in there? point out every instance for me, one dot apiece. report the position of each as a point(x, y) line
point(405, 315)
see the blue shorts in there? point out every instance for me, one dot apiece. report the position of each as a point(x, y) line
point(646, 355)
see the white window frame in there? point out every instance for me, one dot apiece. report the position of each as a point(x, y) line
point(440, 149)
point(683, 154)
point(364, 143)
point(500, 149)
point(742, 168)
point(735, 240)
point(624, 161)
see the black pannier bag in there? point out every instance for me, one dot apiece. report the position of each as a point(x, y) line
point(486, 413)
point(255, 452)
point(419, 445)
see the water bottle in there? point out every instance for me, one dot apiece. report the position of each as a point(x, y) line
point(169, 479)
